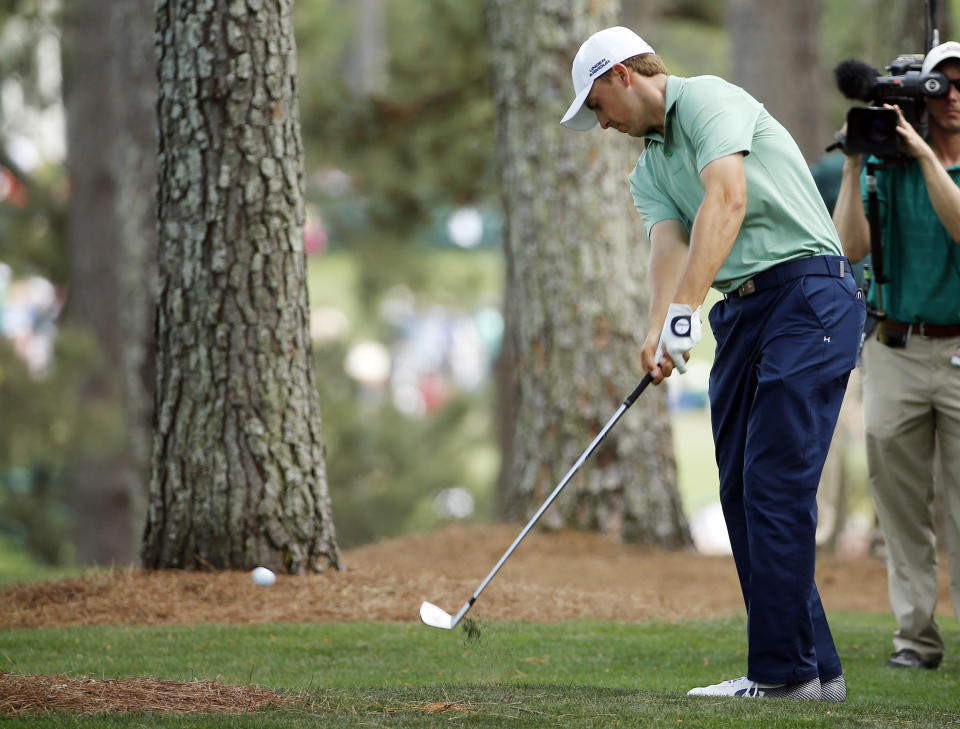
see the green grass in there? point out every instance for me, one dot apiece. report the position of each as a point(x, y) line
point(573, 674)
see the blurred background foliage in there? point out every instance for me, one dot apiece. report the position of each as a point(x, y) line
point(33, 214)
point(45, 426)
point(403, 244)
point(390, 467)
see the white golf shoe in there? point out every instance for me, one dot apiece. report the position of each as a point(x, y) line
point(834, 689)
point(745, 688)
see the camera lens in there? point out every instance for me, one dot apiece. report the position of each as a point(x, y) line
point(877, 132)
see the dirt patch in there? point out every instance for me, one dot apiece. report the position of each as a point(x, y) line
point(552, 576)
point(20, 694)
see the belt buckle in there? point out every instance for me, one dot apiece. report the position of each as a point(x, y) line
point(746, 288)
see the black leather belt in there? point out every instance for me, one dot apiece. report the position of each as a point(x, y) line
point(929, 331)
point(836, 266)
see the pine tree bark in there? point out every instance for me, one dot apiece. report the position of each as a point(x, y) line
point(238, 469)
point(576, 305)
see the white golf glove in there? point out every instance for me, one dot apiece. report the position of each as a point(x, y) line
point(681, 332)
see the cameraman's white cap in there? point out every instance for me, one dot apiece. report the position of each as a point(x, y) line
point(939, 54)
point(596, 56)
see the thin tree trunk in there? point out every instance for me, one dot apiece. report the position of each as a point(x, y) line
point(134, 85)
point(238, 470)
point(576, 304)
point(776, 58)
point(111, 156)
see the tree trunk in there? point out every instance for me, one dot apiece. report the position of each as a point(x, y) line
point(238, 472)
point(370, 50)
point(576, 304)
point(776, 58)
point(134, 158)
point(112, 160)
point(899, 28)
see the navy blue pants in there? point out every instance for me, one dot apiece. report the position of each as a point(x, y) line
point(783, 358)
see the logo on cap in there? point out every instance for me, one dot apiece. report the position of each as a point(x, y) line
point(598, 66)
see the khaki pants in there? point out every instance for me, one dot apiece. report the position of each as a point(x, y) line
point(911, 399)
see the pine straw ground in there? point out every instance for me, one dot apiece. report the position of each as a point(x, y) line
point(551, 577)
point(21, 694)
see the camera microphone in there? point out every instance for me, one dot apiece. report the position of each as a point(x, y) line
point(855, 79)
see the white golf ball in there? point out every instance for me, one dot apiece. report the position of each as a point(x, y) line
point(263, 577)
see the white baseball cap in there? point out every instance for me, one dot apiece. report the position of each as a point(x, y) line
point(939, 54)
point(596, 56)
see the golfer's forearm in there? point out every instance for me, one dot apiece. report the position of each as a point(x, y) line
point(848, 215)
point(715, 228)
point(668, 256)
point(714, 232)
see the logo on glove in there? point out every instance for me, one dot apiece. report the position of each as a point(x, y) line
point(681, 326)
point(681, 332)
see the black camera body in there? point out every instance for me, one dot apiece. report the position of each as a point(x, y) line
point(873, 129)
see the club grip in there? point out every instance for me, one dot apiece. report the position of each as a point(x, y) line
point(647, 379)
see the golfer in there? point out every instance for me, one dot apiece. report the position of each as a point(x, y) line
point(728, 201)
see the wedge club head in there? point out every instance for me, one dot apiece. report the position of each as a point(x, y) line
point(435, 617)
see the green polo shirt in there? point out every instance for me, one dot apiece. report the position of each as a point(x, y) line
point(920, 257)
point(708, 118)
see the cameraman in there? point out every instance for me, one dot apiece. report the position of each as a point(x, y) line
point(911, 383)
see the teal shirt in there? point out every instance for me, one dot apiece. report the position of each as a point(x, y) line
point(708, 118)
point(920, 257)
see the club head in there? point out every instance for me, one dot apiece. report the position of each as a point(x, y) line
point(435, 617)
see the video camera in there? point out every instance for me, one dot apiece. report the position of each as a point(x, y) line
point(873, 129)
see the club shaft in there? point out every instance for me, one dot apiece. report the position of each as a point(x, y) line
point(556, 492)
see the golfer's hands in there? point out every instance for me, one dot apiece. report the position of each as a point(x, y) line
point(671, 348)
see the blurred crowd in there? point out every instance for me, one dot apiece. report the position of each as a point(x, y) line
point(432, 353)
point(29, 308)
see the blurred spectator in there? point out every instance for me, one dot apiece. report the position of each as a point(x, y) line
point(28, 312)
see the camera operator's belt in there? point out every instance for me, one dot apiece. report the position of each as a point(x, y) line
point(929, 331)
point(836, 266)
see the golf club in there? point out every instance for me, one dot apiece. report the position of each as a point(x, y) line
point(436, 617)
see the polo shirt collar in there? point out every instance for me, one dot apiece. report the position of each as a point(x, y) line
point(674, 85)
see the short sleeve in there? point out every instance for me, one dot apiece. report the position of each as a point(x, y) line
point(652, 203)
point(718, 117)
